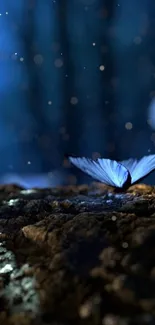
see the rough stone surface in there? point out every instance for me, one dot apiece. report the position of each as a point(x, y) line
point(77, 255)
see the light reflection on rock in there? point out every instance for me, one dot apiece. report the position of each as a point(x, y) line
point(12, 202)
point(20, 288)
point(6, 269)
point(29, 191)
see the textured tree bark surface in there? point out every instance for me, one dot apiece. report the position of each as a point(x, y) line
point(77, 255)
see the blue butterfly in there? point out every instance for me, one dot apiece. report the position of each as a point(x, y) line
point(121, 174)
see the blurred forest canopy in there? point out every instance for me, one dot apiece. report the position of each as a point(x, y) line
point(78, 77)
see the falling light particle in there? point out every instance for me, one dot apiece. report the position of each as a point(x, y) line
point(85, 310)
point(58, 63)
point(102, 67)
point(125, 245)
point(0, 14)
point(29, 162)
point(128, 125)
point(21, 59)
point(109, 320)
point(137, 40)
point(49, 102)
point(94, 44)
point(6, 13)
point(38, 59)
point(74, 100)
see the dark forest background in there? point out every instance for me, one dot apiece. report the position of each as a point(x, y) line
point(76, 77)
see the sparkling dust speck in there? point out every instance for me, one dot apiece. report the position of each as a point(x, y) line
point(74, 100)
point(128, 125)
point(58, 63)
point(102, 67)
point(38, 59)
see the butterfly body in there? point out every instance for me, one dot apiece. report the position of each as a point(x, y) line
point(120, 175)
point(126, 185)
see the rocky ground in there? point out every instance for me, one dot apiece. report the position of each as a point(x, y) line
point(77, 255)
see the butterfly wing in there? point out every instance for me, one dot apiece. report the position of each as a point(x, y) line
point(106, 171)
point(139, 168)
point(129, 164)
